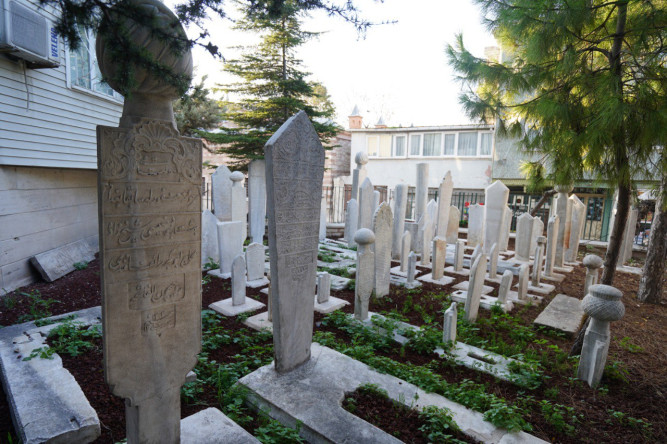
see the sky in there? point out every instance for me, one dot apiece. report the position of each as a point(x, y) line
point(397, 70)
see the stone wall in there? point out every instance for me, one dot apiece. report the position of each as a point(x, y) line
point(41, 209)
point(337, 161)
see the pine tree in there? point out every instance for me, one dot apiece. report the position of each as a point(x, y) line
point(273, 87)
point(196, 110)
point(585, 88)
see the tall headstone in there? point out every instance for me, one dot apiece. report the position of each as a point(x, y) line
point(459, 251)
point(603, 305)
point(323, 287)
point(257, 200)
point(405, 250)
point(538, 230)
point(476, 252)
point(294, 171)
point(376, 201)
point(449, 327)
point(221, 193)
point(495, 202)
point(475, 285)
point(592, 264)
point(209, 238)
point(421, 191)
point(149, 199)
point(475, 225)
point(537, 262)
point(427, 232)
point(552, 236)
point(493, 261)
point(505, 285)
point(563, 207)
point(444, 204)
point(351, 221)
point(439, 255)
point(453, 225)
point(505, 233)
point(576, 228)
point(239, 203)
point(413, 229)
point(412, 267)
point(524, 280)
point(524, 233)
point(254, 259)
point(400, 206)
point(323, 219)
point(358, 174)
point(230, 244)
point(365, 272)
point(365, 205)
point(628, 236)
point(238, 281)
point(382, 220)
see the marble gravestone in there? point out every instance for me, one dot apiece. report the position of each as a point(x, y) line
point(537, 263)
point(505, 285)
point(257, 200)
point(426, 232)
point(495, 198)
point(505, 233)
point(453, 225)
point(323, 287)
point(493, 262)
point(238, 280)
point(322, 235)
point(475, 225)
point(254, 259)
point(538, 230)
point(563, 209)
point(439, 254)
point(365, 272)
point(474, 293)
point(358, 175)
point(459, 251)
point(294, 170)
point(376, 201)
point(524, 234)
point(221, 193)
point(444, 204)
point(382, 228)
point(421, 190)
point(351, 221)
point(149, 200)
point(365, 205)
point(524, 279)
point(405, 250)
point(239, 203)
point(400, 206)
point(209, 238)
point(576, 228)
point(628, 236)
point(412, 269)
point(552, 236)
point(230, 245)
point(449, 324)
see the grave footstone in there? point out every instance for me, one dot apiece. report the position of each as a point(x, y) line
point(524, 234)
point(365, 205)
point(426, 231)
point(439, 254)
point(351, 221)
point(562, 209)
point(257, 200)
point(412, 268)
point(524, 276)
point(209, 238)
point(453, 225)
point(505, 285)
point(230, 245)
point(421, 190)
point(475, 225)
point(458, 255)
point(294, 169)
point(382, 220)
point(476, 252)
point(238, 280)
point(405, 251)
point(358, 174)
point(537, 263)
point(444, 204)
point(56, 263)
point(493, 261)
point(552, 237)
point(365, 272)
point(449, 327)
point(221, 193)
point(400, 206)
point(476, 282)
point(505, 233)
point(254, 257)
point(239, 203)
point(576, 228)
point(323, 287)
point(376, 201)
point(495, 202)
point(148, 177)
point(538, 230)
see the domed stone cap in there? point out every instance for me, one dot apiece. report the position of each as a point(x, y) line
point(603, 302)
point(564, 188)
point(236, 176)
point(146, 82)
point(361, 158)
point(364, 236)
point(592, 261)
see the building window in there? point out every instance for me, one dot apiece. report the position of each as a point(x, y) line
point(372, 146)
point(83, 69)
point(450, 140)
point(399, 146)
point(415, 144)
point(485, 146)
point(379, 146)
point(467, 144)
point(432, 143)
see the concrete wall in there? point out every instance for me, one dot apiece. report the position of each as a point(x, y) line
point(41, 209)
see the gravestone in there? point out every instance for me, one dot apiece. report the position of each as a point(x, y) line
point(524, 276)
point(476, 252)
point(444, 204)
point(449, 327)
point(628, 236)
point(405, 250)
point(413, 229)
point(505, 285)
point(221, 193)
point(537, 263)
point(56, 263)
point(421, 190)
point(294, 171)
point(538, 230)
point(323, 287)
point(358, 174)
point(439, 255)
point(505, 233)
point(524, 234)
point(475, 225)
point(322, 235)
point(149, 199)
point(592, 264)
point(426, 231)
point(376, 201)
point(493, 261)
point(238, 281)
point(453, 225)
point(365, 205)
point(476, 282)
point(495, 202)
point(254, 256)
point(563, 207)
point(230, 245)
point(239, 203)
point(459, 251)
point(209, 238)
point(412, 268)
point(365, 272)
point(351, 221)
point(257, 199)
point(382, 220)
point(576, 228)
point(552, 236)
point(400, 206)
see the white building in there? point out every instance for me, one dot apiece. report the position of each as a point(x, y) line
point(52, 100)
point(393, 153)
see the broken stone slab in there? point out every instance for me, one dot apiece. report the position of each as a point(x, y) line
point(481, 360)
point(464, 286)
point(462, 272)
point(226, 308)
point(211, 426)
point(563, 313)
point(331, 305)
point(543, 289)
point(428, 278)
point(46, 402)
point(311, 395)
point(56, 263)
point(403, 281)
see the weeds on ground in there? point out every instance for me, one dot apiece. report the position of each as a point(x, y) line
point(71, 338)
point(38, 307)
point(80, 265)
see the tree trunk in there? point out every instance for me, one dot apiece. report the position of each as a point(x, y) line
point(542, 201)
point(650, 285)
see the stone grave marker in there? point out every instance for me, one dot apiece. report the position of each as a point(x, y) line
point(505, 233)
point(230, 245)
point(358, 175)
point(56, 263)
point(449, 327)
point(474, 294)
point(209, 238)
point(524, 233)
point(239, 203)
point(412, 268)
point(238, 280)
point(351, 221)
point(257, 200)
point(382, 220)
point(563, 207)
point(323, 287)
point(405, 251)
point(421, 190)
point(538, 230)
point(365, 205)
point(439, 254)
point(592, 264)
point(453, 225)
point(294, 170)
point(376, 201)
point(493, 261)
point(322, 235)
point(365, 272)
point(476, 252)
point(628, 236)
point(505, 285)
point(458, 255)
point(495, 202)
point(413, 229)
point(576, 228)
point(254, 259)
point(537, 262)
point(400, 207)
point(552, 236)
point(444, 204)
point(221, 193)
point(475, 225)
point(524, 276)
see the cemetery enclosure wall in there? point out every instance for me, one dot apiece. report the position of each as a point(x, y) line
point(41, 209)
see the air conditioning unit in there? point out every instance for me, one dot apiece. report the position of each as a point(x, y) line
point(29, 36)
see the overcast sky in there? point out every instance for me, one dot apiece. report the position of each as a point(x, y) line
point(398, 70)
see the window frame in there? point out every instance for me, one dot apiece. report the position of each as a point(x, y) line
point(405, 146)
